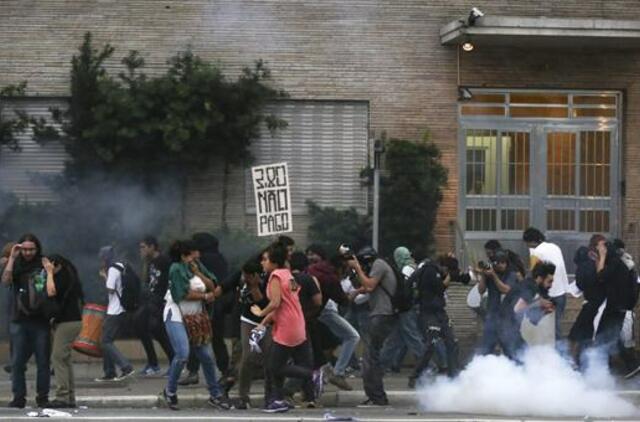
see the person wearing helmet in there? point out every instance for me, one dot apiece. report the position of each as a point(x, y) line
point(379, 280)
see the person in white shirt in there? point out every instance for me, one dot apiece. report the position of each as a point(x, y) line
point(115, 321)
point(542, 251)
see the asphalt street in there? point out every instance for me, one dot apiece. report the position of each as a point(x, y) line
point(390, 414)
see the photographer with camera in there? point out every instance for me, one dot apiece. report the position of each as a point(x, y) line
point(433, 279)
point(516, 264)
point(500, 326)
point(378, 278)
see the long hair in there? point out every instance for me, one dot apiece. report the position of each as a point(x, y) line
point(26, 266)
point(30, 237)
point(69, 272)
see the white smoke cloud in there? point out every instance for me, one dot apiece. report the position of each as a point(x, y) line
point(545, 385)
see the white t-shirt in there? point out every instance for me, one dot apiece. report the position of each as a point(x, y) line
point(114, 284)
point(187, 307)
point(347, 287)
point(550, 252)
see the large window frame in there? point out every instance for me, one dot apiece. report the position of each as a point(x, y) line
point(582, 114)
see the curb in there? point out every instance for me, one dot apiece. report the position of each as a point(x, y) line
point(328, 400)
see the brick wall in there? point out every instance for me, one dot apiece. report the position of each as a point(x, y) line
point(385, 52)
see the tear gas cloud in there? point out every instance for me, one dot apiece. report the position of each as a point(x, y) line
point(544, 385)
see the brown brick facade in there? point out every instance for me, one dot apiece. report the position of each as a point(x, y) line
point(385, 52)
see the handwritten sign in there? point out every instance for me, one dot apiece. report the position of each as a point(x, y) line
point(273, 198)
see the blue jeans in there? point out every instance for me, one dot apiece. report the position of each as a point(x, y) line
point(112, 328)
point(560, 303)
point(499, 332)
point(348, 336)
point(406, 335)
point(180, 342)
point(358, 317)
point(27, 338)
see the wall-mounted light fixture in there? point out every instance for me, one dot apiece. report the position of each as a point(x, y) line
point(464, 94)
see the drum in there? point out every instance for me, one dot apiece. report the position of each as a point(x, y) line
point(88, 341)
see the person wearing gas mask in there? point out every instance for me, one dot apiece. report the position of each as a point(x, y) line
point(433, 279)
point(500, 327)
point(378, 279)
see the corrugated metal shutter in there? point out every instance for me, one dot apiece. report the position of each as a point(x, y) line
point(326, 147)
point(21, 172)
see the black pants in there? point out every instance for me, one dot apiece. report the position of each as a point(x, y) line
point(301, 368)
point(608, 336)
point(149, 327)
point(220, 352)
point(436, 326)
point(380, 327)
point(582, 329)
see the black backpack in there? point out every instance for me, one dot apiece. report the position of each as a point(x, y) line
point(404, 297)
point(634, 289)
point(131, 287)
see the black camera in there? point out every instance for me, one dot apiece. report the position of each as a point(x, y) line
point(346, 252)
point(484, 265)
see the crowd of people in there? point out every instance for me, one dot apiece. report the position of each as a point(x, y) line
point(297, 318)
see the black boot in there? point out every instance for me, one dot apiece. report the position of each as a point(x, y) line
point(18, 403)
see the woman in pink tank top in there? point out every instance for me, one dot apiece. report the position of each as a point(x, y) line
point(289, 335)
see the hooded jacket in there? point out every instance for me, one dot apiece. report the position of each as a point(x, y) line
point(329, 283)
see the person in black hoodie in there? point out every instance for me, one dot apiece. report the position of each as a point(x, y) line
point(594, 293)
point(148, 317)
point(327, 275)
point(252, 288)
point(29, 328)
point(214, 261)
point(64, 287)
point(433, 281)
point(615, 275)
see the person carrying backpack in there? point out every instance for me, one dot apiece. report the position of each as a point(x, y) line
point(406, 336)
point(121, 285)
point(378, 278)
point(29, 328)
point(432, 281)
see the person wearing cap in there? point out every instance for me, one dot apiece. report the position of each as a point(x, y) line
point(500, 326)
point(379, 279)
point(433, 279)
point(115, 321)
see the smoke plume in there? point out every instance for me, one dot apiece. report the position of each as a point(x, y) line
point(544, 385)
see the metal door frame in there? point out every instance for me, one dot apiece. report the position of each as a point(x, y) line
point(538, 198)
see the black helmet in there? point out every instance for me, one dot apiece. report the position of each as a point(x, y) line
point(367, 254)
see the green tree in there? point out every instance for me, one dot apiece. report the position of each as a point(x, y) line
point(134, 139)
point(411, 191)
point(15, 122)
point(331, 227)
point(137, 128)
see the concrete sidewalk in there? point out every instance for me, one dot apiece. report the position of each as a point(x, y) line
point(143, 392)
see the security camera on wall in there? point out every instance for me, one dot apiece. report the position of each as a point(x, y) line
point(474, 15)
